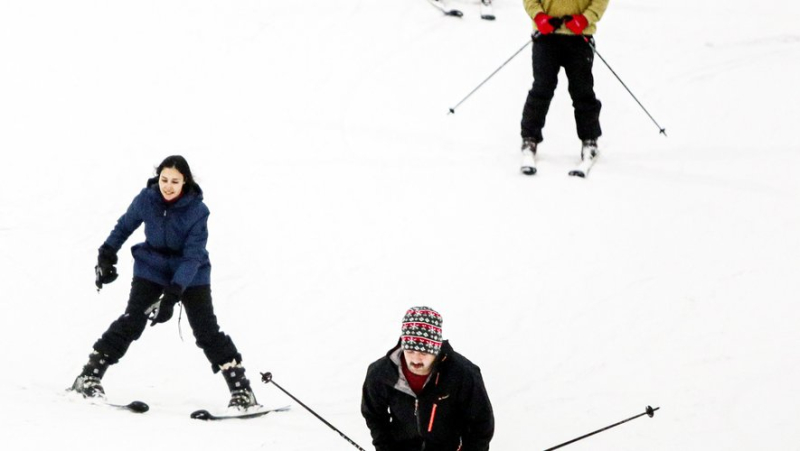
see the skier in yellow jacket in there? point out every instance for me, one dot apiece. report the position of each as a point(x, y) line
point(564, 31)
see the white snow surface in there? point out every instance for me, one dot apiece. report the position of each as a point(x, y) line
point(342, 193)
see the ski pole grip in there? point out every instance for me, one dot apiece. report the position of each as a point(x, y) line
point(266, 377)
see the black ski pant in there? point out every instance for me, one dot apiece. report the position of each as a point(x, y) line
point(550, 54)
point(216, 345)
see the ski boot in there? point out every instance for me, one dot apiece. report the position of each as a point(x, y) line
point(589, 154)
point(242, 396)
point(528, 165)
point(88, 383)
point(589, 149)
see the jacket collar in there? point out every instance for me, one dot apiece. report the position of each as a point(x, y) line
point(402, 384)
point(185, 199)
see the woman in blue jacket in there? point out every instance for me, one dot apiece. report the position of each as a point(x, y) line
point(170, 266)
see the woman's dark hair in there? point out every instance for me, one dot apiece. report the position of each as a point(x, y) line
point(179, 163)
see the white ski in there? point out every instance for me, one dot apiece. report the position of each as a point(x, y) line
point(528, 164)
point(133, 406)
point(442, 6)
point(487, 11)
point(586, 164)
point(232, 414)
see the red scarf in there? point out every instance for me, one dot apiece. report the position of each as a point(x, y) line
point(416, 381)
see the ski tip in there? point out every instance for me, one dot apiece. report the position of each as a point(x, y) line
point(454, 13)
point(138, 407)
point(577, 173)
point(201, 415)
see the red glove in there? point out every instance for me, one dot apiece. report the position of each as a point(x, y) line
point(546, 24)
point(577, 24)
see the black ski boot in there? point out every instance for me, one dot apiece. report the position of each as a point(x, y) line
point(242, 396)
point(88, 383)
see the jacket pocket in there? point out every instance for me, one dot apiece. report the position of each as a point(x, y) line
point(433, 411)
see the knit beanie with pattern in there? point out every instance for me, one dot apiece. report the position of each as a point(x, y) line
point(422, 330)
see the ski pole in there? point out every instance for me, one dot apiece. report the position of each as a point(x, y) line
point(649, 412)
point(453, 110)
point(267, 378)
point(661, 129)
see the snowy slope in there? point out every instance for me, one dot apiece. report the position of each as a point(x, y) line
point(342, 193)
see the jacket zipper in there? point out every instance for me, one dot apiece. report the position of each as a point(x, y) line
point(416, 415)
point(164, 230)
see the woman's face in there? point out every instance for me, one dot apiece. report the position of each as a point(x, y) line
point(170, 182)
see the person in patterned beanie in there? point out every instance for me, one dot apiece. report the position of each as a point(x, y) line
point(422, 330)
point(424, 395)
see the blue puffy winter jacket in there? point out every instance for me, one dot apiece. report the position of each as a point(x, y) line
point(174, 250)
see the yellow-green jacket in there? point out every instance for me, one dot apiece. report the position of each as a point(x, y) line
point(592, 9)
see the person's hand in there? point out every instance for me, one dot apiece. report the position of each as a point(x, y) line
point(161, 311)
point(105, 272)
point(546, 24)
point(577, 23)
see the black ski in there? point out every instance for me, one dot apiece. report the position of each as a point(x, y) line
point(587, 161)
point(134, 406)
point(439, 4)
point(208, 416)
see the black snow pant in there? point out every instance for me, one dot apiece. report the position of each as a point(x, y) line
point(550, 53)
point(216, 345)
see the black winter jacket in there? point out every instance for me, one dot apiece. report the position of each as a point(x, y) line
point(453, 411)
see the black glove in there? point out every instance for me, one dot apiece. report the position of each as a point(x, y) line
point(105, 271)
point(161, 311)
